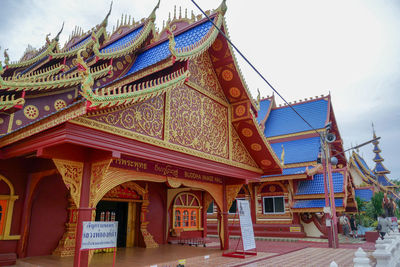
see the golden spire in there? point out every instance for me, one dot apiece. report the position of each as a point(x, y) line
point(153, 13)
point(58, 34)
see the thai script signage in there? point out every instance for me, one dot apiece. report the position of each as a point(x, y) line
point(142, 165)
point(97, 235)
point(246, 225)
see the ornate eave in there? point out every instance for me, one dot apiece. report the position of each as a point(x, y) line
point(8, 102)
point(110, 97)
point(52, 82)
point(28, 62)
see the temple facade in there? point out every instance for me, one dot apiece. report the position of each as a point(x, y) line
point(140, 126)
point(292, 204)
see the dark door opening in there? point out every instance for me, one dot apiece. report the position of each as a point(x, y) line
point(107, 210)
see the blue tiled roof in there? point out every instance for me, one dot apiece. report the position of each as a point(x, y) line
point(161, 51)
point(264, 106)
point(316, 185)
point(394, 196)
point(383, 181)
point(365, 166)
point(296, 151)
point(315, 203)
point(285, 121)
point(380, 168)
point(365, 194)
point(290, 171)
point(377, 157)
point(81, 42)
point(127, 38)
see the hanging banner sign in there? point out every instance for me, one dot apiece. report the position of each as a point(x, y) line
point(246, 225)
point(99, 235)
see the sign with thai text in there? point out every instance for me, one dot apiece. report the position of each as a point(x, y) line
point(99, 235)
point(246, 225)
point(142, 165)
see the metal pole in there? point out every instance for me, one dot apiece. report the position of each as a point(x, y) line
point(332, 197)
point(328, 220)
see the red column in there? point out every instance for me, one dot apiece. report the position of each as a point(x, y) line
point(204, 216)
point(253, 204)
point(224, 217)
point(84, 214)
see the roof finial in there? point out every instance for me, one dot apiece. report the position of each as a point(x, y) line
point(105, 20)
point(258, 99)
point(174, 12)
point(172, 42)
point(153, 13)
point(222, 7)
point(373, 130)
point(283, 155)
point(58, 34)
point(47, 39)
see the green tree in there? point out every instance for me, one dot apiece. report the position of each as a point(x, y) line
point(374, 207)
point(361, 206)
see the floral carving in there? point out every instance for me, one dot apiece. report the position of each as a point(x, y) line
point(198, 122)
point(145, 118)
point(239, 152)
point(202, 73)
point(71, 172)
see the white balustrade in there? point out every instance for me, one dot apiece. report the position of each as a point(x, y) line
point(361, 259)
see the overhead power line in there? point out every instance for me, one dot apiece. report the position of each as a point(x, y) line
point(253, 67)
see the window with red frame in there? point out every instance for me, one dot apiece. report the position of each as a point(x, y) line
point(187, 211)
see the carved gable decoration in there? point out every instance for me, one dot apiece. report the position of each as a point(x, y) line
point(239, 151)
point(123, 191)
point(145, 118)
point(202, 73)
point(198, 122)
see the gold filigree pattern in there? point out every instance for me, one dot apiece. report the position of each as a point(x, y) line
point(99, 169)
point(31, 112)
point(202, 73)
point(146, 117)
point(198, 122)
point(231, 193)
point(239, 151)
point(71, 172)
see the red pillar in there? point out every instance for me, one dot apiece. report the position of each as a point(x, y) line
point(204, 216)
point(253, 204)
point(224, 217)
point(84, 214)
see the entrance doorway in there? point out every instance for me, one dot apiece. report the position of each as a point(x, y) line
point(126, 213)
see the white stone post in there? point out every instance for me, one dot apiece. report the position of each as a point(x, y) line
point(361, 259)
point(333, 264)
point(382, 254)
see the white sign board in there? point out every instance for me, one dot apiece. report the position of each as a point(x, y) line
point(246, 225)
point(99, 235)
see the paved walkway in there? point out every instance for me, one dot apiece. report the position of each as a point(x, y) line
point(269, 253)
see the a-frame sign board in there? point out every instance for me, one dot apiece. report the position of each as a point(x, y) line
point(246, 232)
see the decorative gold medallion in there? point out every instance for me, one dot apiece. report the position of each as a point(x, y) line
point(234, 92)
point(18, 122)
point(128, 58)
point(240, 110)
point(31, 112)
point(1, 121)
point(272, 188)
point(46, 108)
point(217, 45)
point(247, 132)
point(120, 66)
point(59, 104)
point(266, 162)
point(255, 147)
point(69, 96)
point(227, 75)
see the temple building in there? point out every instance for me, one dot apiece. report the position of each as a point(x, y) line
point(292, 204)
point(144, 127)
point(368, 181)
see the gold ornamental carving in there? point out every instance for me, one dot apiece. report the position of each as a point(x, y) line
point(71, 172)
point(198, 122)
point(202, 74)
point(98, 171)
point(145, 118)
point(239, 151)
point(66, 245)
point(231, 193)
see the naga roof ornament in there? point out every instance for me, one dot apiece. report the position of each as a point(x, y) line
point(105, 21)
point(6, 57)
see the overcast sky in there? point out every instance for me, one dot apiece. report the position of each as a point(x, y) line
point(350, 48)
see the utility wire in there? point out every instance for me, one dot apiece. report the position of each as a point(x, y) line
point(254, 68)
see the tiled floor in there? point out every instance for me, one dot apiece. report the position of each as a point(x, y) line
point(270, 253)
